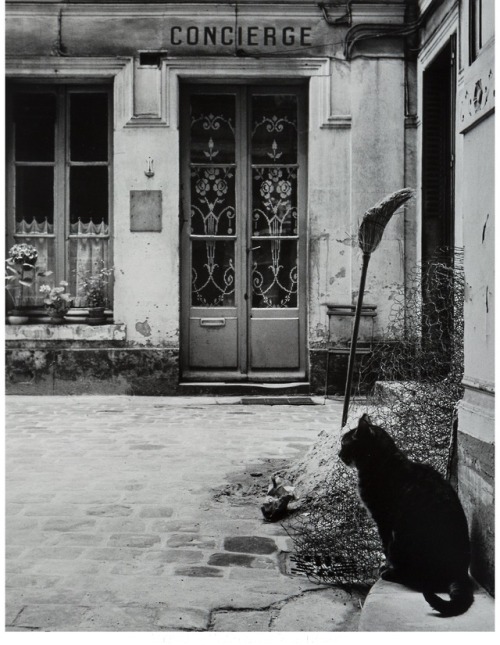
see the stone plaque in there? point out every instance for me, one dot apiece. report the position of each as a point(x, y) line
point(145, 210)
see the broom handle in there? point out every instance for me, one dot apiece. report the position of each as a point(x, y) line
point(354, 340)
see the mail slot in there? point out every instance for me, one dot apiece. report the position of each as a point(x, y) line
point(213, 322)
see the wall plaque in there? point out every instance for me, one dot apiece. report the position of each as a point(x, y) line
point(145, 211)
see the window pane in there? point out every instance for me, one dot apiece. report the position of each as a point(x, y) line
point(88, 194)
point(212, 128)
point(86, 255)
point(89, 127)
point(212, 201)
point(34, 116)
point(274, 273)
point(274, 129)
point(31, 296)
point(212, 274)
point(274, 205)
point(35, 194)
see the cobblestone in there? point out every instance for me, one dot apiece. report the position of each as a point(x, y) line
point(111, 523)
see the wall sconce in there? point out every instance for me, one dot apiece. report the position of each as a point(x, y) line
point(149, 172)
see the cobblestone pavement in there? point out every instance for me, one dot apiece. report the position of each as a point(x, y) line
point(112, 524)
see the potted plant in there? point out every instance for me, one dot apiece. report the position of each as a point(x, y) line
point(57, 301)
point(94, 286)
point(20, 272)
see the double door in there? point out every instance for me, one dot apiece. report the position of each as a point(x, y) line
point(243, 232)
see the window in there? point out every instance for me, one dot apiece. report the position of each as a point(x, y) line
point(481, 26)
point(59, 153)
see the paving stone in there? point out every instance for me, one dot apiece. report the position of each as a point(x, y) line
point(180, 556)
point(326, 610)
point(134, 541)
point(199, 572)
point(54, 553)
point(76, 538)
point(239, 573)
point(241, 621)
point(110, 510)
point(39, 580)
point(111, 554)
point(137, 567)
point(60, 524)
point(173, 526)
point(112, 618)
point(191, 541)
point(156, 511)
point(230, 560)
point(121, 525)
point(52, 617)
point(183, 619)
point(250, 544)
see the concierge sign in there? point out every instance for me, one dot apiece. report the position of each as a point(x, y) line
point(249, 35)
point(240, 36)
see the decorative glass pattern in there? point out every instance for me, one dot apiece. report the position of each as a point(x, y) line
point(212, 201)
point(274, 129)
point(212, 128)
point(274, 201)
point(212, 273)
point(274, 273)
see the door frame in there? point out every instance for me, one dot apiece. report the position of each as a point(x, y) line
point(244, 372)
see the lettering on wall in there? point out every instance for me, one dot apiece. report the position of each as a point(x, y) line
point(248, 36)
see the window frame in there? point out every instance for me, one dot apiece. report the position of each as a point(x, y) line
point(62, 166)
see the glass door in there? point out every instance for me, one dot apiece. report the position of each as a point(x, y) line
point(243, 233)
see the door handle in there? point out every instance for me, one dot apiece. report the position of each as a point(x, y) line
point(212, 322)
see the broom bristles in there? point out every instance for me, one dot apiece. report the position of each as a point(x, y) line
point(376, 219)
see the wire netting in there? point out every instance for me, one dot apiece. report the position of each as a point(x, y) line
point(413, 378)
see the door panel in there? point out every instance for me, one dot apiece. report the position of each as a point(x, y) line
point(274, 342)
point(243, 232)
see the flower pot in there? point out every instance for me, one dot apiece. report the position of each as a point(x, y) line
point(15, 317)
point(56, 320)
point(96, 316)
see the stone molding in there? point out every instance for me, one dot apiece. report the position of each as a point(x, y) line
point(317, 69)
point(434, 42)
point(97, 333)
point(73, 69)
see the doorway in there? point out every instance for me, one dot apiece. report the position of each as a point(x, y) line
point(243, 232)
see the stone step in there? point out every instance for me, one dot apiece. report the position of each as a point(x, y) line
point(391, 607)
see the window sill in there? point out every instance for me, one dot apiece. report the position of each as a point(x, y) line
point(73, 332)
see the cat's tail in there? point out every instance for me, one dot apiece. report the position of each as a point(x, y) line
point(461, 598)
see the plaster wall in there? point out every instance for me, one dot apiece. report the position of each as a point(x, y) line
point(147, 275)
point(356, 139)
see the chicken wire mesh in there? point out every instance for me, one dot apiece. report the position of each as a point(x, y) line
point(413, 379)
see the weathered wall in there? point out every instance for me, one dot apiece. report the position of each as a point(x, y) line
point(356, 138)
point(474, 231)
point(476, 420)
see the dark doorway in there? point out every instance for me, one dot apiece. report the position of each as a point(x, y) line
point(438, 156)
point(438, 204)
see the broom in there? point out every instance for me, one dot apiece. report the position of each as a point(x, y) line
point(369, 236)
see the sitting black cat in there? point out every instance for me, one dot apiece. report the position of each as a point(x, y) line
point(419, 518)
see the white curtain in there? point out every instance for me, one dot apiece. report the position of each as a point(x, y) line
point(88, 250)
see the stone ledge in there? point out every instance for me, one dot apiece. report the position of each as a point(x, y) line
point(46, 332)
point(390, 607)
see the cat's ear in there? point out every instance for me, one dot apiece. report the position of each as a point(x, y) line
point(364, 423)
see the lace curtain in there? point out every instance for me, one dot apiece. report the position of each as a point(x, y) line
point(88, 250)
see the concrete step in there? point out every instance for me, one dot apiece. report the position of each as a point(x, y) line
point(391, 607)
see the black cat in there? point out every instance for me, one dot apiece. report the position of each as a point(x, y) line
point(419, 518)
